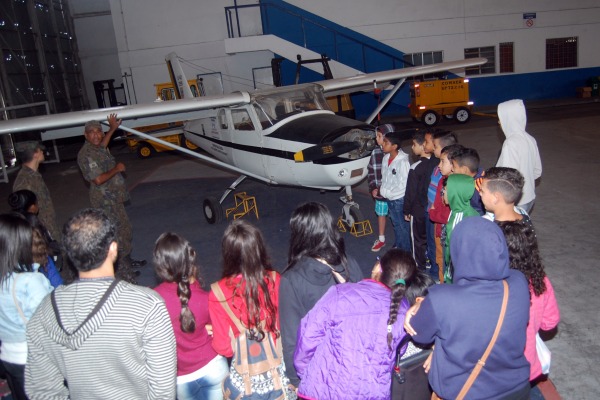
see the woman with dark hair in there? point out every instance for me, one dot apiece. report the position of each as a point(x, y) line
point(200, 370)
point(316, 261)
point(42, 260)
point(25, 203)
point(21, 291)
point(343, 350)
point(524, 256)
point(249, 286)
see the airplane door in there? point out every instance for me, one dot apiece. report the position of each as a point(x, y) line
point(247, 140)
point(223, 127)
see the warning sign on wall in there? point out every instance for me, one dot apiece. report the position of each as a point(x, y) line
point(529, 19)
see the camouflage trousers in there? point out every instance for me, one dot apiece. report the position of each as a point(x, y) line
point(116, 212)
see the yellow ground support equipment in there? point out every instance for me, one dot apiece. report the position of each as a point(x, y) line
point(358, 229)
point(171, 132)
point(244, 204)
point(448, 97)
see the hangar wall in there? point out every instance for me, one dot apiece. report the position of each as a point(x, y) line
point(452, 25)
point(145, 31)
point(92, 20)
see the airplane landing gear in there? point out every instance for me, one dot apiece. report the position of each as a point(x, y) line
point(213, 212)
point(213, 209)
point(351, 214)
point(350, 211)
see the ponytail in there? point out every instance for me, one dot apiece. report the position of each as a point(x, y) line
point(186, 317)
point(174, 259)
point(398, 269)
point(398, 291)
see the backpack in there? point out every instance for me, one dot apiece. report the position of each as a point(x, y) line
point(257, 370)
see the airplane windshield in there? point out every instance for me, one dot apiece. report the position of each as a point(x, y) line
point(278, 104)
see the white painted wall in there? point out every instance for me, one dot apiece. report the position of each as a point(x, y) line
point(414, 26)
point(96, 41)
point(147, 31)
point(140, 33)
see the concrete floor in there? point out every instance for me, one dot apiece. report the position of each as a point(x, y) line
point(566, 219)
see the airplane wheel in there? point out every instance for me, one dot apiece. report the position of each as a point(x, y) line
point(448, 116)
point(144, 150)
point(189, 145)
point(354, 215)
point(213, 212)
point(462, 115)
point(430, 118)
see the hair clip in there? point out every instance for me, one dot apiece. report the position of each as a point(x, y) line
point(389, 328)
point(400, 281)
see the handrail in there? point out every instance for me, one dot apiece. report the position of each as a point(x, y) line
point(397, 62)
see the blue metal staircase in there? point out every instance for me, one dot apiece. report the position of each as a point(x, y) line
point(322, 36)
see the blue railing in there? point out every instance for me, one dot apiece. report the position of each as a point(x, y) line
point(317, 34)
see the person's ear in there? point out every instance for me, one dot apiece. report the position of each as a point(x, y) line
point(496, 197)
point(113, 251)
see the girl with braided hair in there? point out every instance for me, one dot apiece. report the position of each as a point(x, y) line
point(200, 370)
point(347, 342)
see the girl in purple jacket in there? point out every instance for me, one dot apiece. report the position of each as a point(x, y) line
point(347, 342)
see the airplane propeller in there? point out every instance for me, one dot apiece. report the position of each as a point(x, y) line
point(325, 150)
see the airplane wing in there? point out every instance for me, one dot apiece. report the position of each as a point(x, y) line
point(333, 87)
point(71, 123)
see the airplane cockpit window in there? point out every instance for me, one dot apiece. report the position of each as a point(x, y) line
point(241, 120)
point(222, 117)
point(266, 120)
point(289, 101)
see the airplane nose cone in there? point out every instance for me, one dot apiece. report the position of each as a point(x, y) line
point(370, 145)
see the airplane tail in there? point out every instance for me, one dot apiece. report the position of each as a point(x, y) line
point(180, 83)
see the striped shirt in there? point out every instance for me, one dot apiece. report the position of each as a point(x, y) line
point(124, 350)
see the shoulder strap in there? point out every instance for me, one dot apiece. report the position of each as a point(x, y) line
point(337, 277)
point(14, 295)
point(480, 364)
point(221, 297)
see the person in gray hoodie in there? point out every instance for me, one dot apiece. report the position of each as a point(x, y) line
point(99, 337)
point(519, 150)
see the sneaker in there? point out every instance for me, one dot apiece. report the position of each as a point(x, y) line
point(378, 245)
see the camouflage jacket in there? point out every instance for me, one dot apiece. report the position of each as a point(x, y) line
point(94, 161)
point(28, 179)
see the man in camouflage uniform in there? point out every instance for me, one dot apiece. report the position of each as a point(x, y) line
point(107, 188)
point(31, 154)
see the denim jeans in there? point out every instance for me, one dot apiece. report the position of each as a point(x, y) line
point(15, 376)
point(434, 270)
point(208, 386)
point(401, 226)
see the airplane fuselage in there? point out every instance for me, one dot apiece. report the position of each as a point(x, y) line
point(263, 136)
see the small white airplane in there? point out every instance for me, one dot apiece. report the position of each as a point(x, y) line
point(281, 136)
